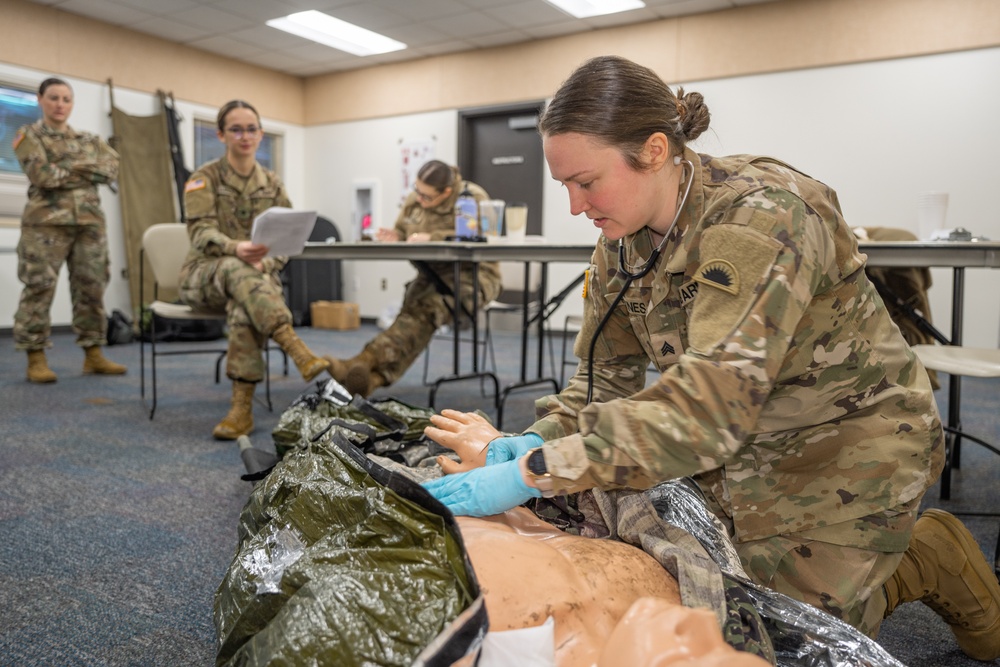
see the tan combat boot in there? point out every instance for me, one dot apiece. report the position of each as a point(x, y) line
point(362, 378)
point(95, 363)
point(239, 421)
point(338, 368)
point(38, 368)
point(309, 364)
point(944, 568)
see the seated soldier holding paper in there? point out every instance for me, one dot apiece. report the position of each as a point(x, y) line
point(226, 271)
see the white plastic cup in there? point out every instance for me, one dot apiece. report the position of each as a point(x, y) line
point(516, 222)
point(932, 211)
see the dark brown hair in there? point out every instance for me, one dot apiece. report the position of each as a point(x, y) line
point(52, 81)
point(436, 174)
point(622, 103)
point(229, 106)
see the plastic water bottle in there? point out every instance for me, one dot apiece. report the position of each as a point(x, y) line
point(466, 215)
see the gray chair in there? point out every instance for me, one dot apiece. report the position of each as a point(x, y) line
point(958, 361)
point(165, 246)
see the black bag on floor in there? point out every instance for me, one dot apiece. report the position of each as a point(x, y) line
point(120, 330)
point(168, 330)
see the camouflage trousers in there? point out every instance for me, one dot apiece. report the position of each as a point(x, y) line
point(254, 304)
point(424, 310)
point(838, 568)
point(41, 252)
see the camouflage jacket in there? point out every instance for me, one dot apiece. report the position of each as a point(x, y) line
point(781, 368)
point(220, 209)
point(439, 222)
point(64, 170)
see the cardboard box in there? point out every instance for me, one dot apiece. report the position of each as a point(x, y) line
point(342, 315)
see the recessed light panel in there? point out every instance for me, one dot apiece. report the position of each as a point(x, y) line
point(333, 32)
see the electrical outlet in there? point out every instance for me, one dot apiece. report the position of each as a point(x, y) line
point(385, 284)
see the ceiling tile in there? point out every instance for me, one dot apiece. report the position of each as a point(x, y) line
point(213, 20)
point(452, 46)
point(469, 25)
point(369, 15)
point(527, 14)
point(169, 29)
point(275, 60)
point(160, 7)
point(415, 35)
point(227, 46)
point(673, 8)
point(313, 53)
point(621, 18)
point(496, 4)
point(257, 11)
point(424, 10)
point(105, 11)
point(268, 38)
point(556, 29)
point(502, 38)
point(235, 28)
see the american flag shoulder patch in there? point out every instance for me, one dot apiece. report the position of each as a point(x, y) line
point(195, 184)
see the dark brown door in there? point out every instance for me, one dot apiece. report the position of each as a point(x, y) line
point(500, 149)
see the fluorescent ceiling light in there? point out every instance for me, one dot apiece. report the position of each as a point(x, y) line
point(325, 29)
point(582, 9)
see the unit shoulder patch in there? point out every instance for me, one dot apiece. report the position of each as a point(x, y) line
point(719, 273)
point(18, 138)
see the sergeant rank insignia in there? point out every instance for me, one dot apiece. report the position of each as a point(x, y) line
point(720, 274)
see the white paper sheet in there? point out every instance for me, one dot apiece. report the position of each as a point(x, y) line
point(527, 647)
point(283, 230)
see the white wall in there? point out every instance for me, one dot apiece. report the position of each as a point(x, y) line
point(879, 133)
point(91, 111)
point(342, 155)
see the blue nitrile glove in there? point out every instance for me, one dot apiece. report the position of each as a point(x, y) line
point(483, 491)
point(511, 448)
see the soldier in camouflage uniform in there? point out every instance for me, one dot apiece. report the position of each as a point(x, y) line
point(786, 390)
point(62, 222)
point(428, 214)
point(224, 271)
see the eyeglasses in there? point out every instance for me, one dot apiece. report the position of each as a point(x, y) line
point(240, 132)
point(423, 196)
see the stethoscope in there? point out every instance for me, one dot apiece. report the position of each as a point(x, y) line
point(636, 275)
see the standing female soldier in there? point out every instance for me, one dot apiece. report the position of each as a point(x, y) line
point(225, 271)
point(786, 390)
point(62, 222)
point(428, 214)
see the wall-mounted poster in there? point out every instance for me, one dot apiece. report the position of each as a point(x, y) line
point(413, 154)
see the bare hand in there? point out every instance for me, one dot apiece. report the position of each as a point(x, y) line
point(466, 433)
point(385, 235)
point(251, 253)
point(419, 237)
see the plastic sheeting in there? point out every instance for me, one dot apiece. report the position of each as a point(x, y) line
point(802, 635)
point(342, 563)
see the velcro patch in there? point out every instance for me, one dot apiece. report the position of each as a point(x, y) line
point(719, 273)
point(726, 295)
point(18, 138)
point(688, 291)
point(196, 184)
